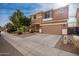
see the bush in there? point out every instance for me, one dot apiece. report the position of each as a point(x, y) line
point(74, 33)
point(22, 29)
point(19, 30)
point(10, 30)
point(31, 30)
point(10, 27)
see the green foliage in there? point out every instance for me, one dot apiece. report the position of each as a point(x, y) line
point(19, 21)
point(74, 33)
point(10, 27)
point(22, 29)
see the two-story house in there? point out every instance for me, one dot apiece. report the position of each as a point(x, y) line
point(51, 21)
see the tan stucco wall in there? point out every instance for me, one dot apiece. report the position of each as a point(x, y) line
point(38, 19)
point(61, 13)
point(58, 14)
point(77, 17)
point(77, 23)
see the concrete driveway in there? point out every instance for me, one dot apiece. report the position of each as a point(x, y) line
point(36, 45)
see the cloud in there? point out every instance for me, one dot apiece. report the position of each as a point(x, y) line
point(4, 19)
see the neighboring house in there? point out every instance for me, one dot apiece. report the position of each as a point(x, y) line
point(51, 21)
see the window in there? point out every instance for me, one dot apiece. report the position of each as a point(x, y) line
point(47, 15)
point(34, 16)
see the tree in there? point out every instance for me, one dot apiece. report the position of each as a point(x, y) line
point(27, 21)
point(10, 27)
point(19, 20)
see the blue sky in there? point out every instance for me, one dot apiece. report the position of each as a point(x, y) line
point(6, 9)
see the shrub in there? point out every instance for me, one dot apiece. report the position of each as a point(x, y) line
point(22, 29)
point(31, 30)
point(19, 31)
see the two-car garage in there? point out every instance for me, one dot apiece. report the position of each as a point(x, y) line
point(53, 28)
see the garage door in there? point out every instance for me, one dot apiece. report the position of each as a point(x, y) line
point(52, 29)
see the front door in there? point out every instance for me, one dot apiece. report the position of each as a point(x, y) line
point(37, 27)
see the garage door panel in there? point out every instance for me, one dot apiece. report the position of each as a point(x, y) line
point(52, 29)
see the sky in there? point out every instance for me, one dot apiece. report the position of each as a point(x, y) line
point(7, 9)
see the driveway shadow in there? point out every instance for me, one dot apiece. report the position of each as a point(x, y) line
point(6, 49)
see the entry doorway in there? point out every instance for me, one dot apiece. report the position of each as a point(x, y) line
point(36, 27)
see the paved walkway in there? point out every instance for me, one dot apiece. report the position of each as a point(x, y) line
point(36, 45)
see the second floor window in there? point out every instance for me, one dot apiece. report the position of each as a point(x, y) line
point(34, 16)
point(47, 15)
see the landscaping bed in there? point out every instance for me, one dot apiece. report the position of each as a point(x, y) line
point(67, 47)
